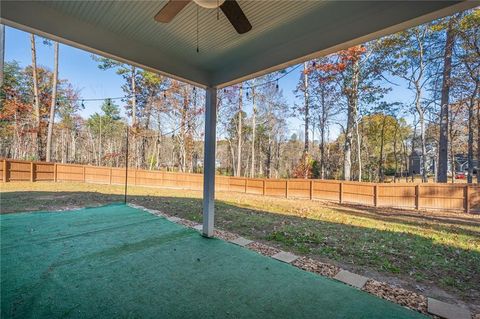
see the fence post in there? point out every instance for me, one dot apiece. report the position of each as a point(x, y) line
point(264, 186)
point(375, 195)
point(311, 189)
point(54, 172)
point(467, 199)
point(286, 188)
point(84, 173)
point(32, 172)
point(417, 196)
point(5, 170)
point(340, 193)
point(246, 180)
point(110, 176)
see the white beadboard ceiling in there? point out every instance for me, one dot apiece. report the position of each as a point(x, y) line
point(284, 32)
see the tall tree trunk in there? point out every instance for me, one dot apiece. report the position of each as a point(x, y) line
point(2, 52)
point(423, 160)
point(322, 123)
point(307, 106)
point(322, 150)
point(473, 101)
point(352, 95)
point(447, 71)
point(134, 96)
point(359, 151)
point(412, 151)
point(405, 160)
point(254, 129)
point(133, 88)
point(36, 101)
point(421, 120)
point(451, 133)
point(269, 157)
point(382, 141)
point(239, 133)
point(478, 144)
point(471, 119)
point(395, 152)
point(100, 144)
point(53, 104)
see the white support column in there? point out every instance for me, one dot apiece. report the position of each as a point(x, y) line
point(209, 161)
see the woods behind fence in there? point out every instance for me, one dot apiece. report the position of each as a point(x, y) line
point(457, 197)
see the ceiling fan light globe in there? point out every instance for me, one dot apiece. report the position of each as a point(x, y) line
point(209, 4)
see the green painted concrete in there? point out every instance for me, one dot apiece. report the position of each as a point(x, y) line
point(119, 262)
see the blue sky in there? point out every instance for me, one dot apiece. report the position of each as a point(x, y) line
point(74, 64)
point(81, 70)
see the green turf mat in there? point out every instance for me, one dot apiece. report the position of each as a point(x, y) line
point(120, 262)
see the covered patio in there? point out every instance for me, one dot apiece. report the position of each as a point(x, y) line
point(193, 42)
point(117, 261)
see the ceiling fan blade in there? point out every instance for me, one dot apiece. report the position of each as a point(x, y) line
point(235, 15)
point(170, 10)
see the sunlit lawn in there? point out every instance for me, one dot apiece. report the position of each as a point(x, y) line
point(440, 248)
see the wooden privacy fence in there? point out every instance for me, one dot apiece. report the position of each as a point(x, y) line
point(459, 197)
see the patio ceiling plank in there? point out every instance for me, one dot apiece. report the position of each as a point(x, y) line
point(283, 33)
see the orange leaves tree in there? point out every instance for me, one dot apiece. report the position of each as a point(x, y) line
point(17, 123)
point(357, 71)
point(304, 168)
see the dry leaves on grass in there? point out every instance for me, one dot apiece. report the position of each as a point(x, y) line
point(400, 296)
point(316, 266)
point(263, 249)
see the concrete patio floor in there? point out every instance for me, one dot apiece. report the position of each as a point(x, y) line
point(122, 262)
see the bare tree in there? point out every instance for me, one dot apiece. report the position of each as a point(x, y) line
point(447, 71)
point(306, 105)
point(239, 132)
point(36, 100)
point(53, 103)
point(254, 127)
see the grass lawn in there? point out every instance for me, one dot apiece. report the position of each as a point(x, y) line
point(436, 252)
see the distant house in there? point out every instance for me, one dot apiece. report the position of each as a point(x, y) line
point(461, 163)
point(415, 162)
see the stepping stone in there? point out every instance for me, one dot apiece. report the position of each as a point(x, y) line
point(198, 227)
point(448, 311)
point(351, 279)
point(173, 219)
point(284, 256)
point(240, 241)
